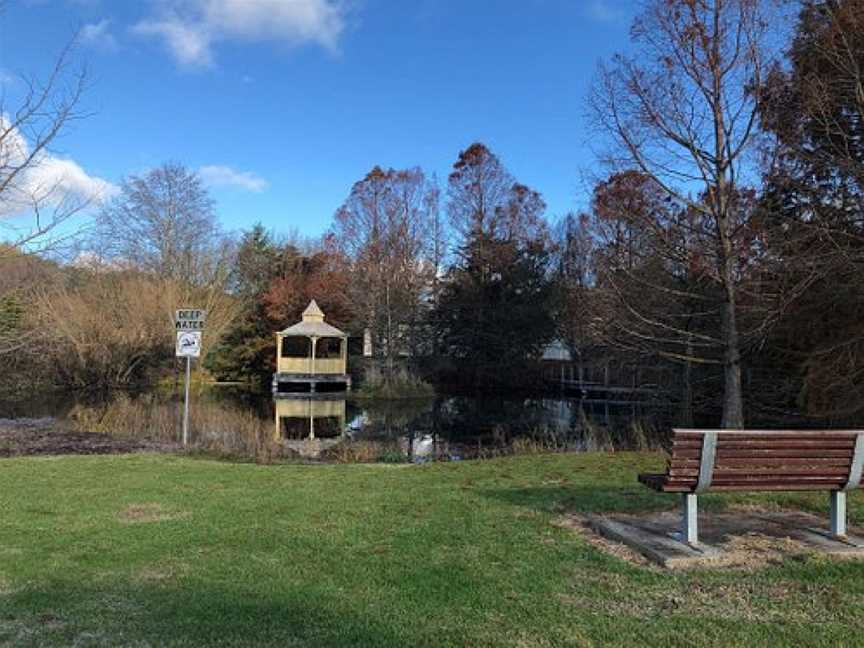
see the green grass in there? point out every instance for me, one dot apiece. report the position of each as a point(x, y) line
point(164, 550)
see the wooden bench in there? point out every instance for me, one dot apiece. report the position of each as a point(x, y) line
point(751, 460)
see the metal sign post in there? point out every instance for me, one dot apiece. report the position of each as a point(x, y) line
point(189, 324)
point(186, 402)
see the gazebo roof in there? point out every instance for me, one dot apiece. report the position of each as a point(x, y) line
point(313, 325)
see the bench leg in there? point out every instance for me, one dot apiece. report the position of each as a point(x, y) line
point(838, 514)
point(690, 519)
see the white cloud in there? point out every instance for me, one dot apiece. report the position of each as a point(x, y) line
point(46, 179)
point(191, 28)
point(604, 10)
point(60, 177)
point(224, 176)
point(189, 45)
point(99, 35)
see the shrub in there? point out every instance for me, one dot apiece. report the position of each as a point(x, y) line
point(402, 383)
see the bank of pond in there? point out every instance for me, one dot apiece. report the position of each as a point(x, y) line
point(246, 425)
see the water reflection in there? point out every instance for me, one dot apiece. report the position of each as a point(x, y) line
point(308, 426)
point(457, 427)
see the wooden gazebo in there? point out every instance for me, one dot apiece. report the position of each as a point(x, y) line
point(311, 357)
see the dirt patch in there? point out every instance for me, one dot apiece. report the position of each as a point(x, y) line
point(40, 437)
point(748, 539)
point(149, 513)
point(753, 551)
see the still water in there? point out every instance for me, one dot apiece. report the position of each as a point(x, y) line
point(442, 428)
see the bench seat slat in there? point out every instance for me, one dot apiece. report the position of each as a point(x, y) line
point(768, 462)
point(784, 479)
point(794, 453)
point(759, 460)
point(838, 444)
point(721, 473)
point(790, 453)
point(679, 487)
point(809, 486)
point(687, 433)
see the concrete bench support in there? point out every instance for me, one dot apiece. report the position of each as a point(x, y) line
point(838, 514)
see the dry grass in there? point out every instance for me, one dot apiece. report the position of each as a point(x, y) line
point(363, 452)
point(579, 525)
point(214, 428)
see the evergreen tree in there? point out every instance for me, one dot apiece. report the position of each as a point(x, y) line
point(248, 351)
point(496, 311)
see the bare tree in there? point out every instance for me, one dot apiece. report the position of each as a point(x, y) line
point(34, 198)
point(684, 113)
point(163, 222)
point(655, 295)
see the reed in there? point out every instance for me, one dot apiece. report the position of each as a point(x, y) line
point(214, 428)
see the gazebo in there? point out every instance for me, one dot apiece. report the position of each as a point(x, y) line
point(311, 357)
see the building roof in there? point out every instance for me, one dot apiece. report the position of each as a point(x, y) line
point(313, 325)
point(313, 313)
point(557, 350)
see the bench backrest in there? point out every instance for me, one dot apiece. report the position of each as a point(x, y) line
point(766, 460)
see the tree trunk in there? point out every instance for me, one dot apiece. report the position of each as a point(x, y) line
point(686, 415)
point(390, 349)
point(733, 400)
point(733, 403)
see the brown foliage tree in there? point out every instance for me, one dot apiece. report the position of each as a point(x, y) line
point(323, 276)
point(387, 231)
point(104, 329)
point(485, 202)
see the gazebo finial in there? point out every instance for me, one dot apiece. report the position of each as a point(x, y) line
point(313, 313)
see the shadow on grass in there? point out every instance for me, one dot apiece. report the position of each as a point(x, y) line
point(636, 499)
point(584, 499)
point(133, 614)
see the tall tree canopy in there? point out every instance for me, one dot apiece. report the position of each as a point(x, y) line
point(815, 198)
point(683, 111)
point(387, 230)
point(496, 308)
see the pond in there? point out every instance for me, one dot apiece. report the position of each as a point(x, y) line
point(342, 428)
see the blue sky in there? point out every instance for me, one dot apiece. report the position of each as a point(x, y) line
point(284, 104)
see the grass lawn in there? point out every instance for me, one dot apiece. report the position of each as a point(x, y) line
point(165, 550)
